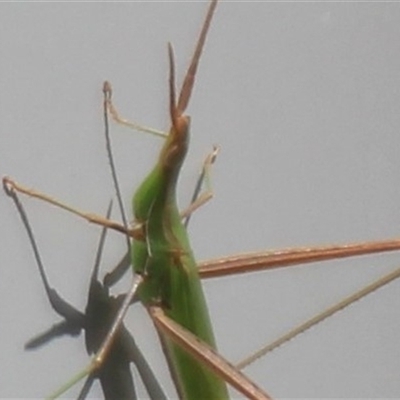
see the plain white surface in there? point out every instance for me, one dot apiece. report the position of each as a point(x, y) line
point(303, 99)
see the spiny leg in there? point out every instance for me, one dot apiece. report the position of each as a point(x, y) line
point(206, 354)
point(119, 120)
point(10, 184)
point(259, 261)
point(198, 198)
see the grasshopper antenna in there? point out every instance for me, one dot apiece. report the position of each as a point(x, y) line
point(188, 82)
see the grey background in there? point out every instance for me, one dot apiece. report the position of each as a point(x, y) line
point(303, 99)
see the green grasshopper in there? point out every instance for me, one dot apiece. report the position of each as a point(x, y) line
point(163, 260)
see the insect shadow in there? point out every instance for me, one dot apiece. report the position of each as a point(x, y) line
point(115, 373)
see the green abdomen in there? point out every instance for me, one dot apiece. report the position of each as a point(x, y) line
point(178, 287)
point(188, 307)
